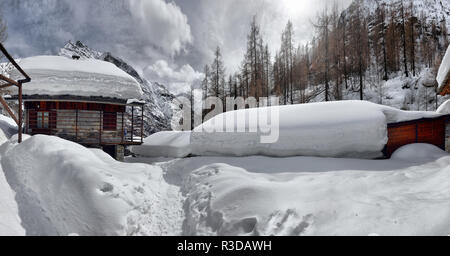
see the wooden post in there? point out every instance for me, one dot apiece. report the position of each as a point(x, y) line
point(123, 130)
point(27, 121)
point(20, 114)
point(76, 125)
point(142, 124)
point(100, 128)
point(132, 123)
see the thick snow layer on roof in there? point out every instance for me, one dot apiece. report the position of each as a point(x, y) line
point(333, 129)
point(171, 144)
point(444, 108)
point(444, 70)
point(56, 75)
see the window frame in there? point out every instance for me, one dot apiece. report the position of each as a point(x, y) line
point(111, 121)
point(43, 120)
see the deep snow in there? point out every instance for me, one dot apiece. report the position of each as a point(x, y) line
point(56, 75)
point(82, 191)
point(10, 222)
point(169, 144)
point(444, 108)
point(407, 195)
point(333, 129)
point(9, 212)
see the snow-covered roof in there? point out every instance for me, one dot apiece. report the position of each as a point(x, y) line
point(444, 70)
point(56, 75)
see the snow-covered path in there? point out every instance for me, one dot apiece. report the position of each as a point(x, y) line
point(161, 214)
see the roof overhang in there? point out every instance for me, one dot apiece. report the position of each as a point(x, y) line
point(72, 98)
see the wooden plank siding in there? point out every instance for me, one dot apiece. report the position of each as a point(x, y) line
point(431, 131)
point(84, 123)
point(447, 134)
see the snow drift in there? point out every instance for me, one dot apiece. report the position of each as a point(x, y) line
point(9, 212)
point(444, 108)
point(64, 188)
point(333, 129)
point(170, 144)
point(402, 196)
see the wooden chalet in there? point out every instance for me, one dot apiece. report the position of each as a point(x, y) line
point(90, 102)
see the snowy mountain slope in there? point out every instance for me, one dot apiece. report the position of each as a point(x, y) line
point(406, 93)
point(433, 10)
point(158, 109)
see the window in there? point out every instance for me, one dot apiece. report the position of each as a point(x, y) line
point(109, 121)
point(42, 120)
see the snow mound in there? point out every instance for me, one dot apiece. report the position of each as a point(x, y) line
point(56, 75)
point(8, 128)
point(228, 200)
point(331, 129)
point(64, 188)
point(444, 70)
point(444, 108)
point(421, 152)
point(9, 212)
point(169, 144)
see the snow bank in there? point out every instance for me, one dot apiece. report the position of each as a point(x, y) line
point(444, 108)
point(64, 188)
point(399, 198)
point(9, 212)
point(169, 144)
point(7, 128)
point(444, 70)
point(333, 129)
point(56, 75)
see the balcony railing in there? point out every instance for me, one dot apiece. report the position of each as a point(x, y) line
point(89, 127)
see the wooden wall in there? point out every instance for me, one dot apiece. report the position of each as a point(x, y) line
point(79, 121)
point(447, 134)
point(431, 131)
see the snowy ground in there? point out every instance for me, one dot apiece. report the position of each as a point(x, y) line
point(50, 186)
point(407, 195)
point(82, 191)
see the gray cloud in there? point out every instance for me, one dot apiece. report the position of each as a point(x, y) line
point(167, 41)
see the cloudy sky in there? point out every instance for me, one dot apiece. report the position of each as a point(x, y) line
point(167, 41)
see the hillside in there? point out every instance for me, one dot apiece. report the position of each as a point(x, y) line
point(385, 56)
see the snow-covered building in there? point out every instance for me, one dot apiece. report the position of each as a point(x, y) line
point(443, 76)
point(90, 102)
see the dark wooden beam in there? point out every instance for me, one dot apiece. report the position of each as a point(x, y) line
point(8, 109)
point(11, 59)
point(9, 80)
point(20, 113)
